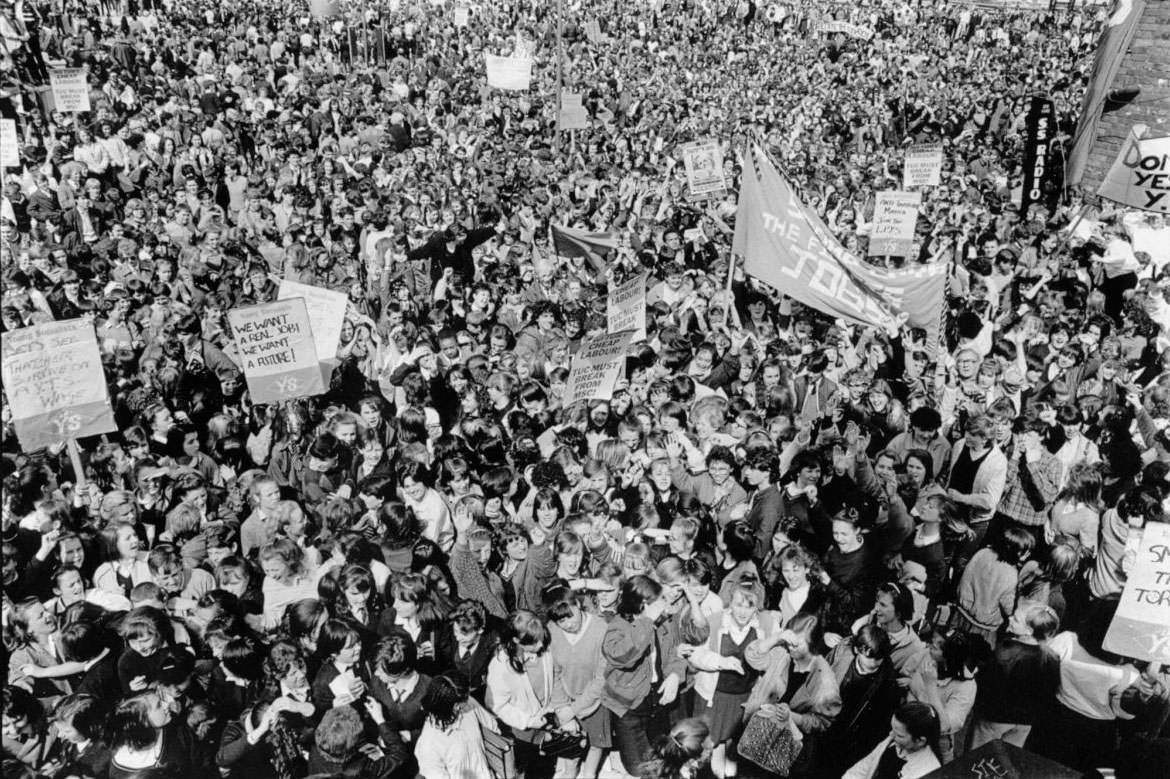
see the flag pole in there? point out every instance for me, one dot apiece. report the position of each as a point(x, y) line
point(560, 67)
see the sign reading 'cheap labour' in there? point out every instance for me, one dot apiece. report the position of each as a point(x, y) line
point(626, 307)
point(1140, 176)
point(55, 384)
point(275, 342)
point(70, 89)
point(597, 367)
point(923, 166)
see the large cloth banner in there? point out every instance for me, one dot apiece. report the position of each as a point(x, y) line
point(894, 217)
point(1111, 51)
point(573, 113)
point(703, 161)
point(923, 166)
point(55, 384)
point(1140, 176)
point(597, 367)
point(9, 144)
point(508, 72)
point(786, 245)
point(1039, 134)
point(70, 89)
point(626, 308)
point(326, 313)
point(275, 343)
point(1141, 627)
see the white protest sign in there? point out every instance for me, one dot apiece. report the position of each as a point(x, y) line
point(1140, 176)
point(70, 89)
point(326, 313)
point(703, 161)
point(1141, 627)
point(275, 343)
point(508, 72)
point(55, 384)
point(894, 218)
point(9, 144)
point(461, 16)
point(597, 367)
point(923, 166)
point(626, 308)
point(573, 114)
point(324, 9)
point(593, 31)
point(852, 30)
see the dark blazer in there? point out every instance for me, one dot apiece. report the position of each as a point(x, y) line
point(474, 667)
point(406, 714)
point(763, 516)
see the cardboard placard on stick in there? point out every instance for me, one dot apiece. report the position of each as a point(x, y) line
point(70, 89)
point(923, 167)
point(1141, 626)
point(508, 72)
point(597, 367)
point(55, 383)
point(894, 219)
point(703, 161)
point(626, 308)
point(573, 113)
point(275, 343)
point(9, 144)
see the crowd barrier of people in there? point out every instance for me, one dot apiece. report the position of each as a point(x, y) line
point(783, 546)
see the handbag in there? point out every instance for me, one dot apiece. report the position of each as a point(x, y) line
point(769, 743)
point(560, 743)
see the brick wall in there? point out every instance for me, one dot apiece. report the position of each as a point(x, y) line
point(1146, 65)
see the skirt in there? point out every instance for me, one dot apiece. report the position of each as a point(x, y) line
point(724, 715)
point(599, 727)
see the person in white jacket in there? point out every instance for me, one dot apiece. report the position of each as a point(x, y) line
point(909, 752)
point(524, 691)
point(451, 745)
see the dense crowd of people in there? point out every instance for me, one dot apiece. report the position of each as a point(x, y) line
point(784, 546)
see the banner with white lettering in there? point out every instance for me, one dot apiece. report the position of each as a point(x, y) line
point(1140, 176)
point(597, 367)
point(70, 89)
point(703, 161)
point(1141, 627)
point(787, 246)
point(508, 72)
point(275, 344)
point(1039, 135)
point(55, 384)
point(9, 144)
point(894, 218)
point(626, 308)
point(573, 113)
point(923, 166)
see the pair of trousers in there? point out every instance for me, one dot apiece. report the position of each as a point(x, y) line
point(984, 731)
point(636, 730)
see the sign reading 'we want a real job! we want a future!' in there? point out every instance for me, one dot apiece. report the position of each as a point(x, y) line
point(275, 342)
